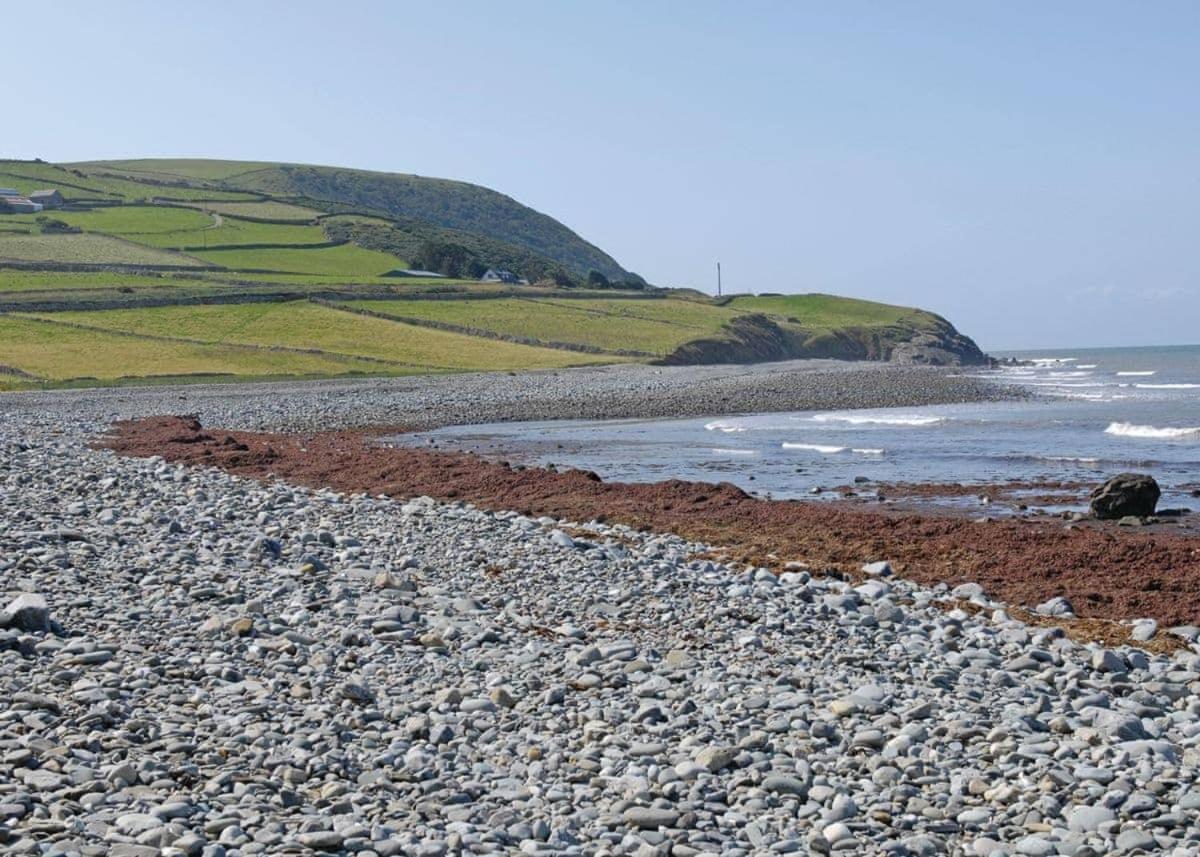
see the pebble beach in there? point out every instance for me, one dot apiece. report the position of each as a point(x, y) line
point(196, 663)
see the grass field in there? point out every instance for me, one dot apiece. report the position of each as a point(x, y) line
point(55, 352)
point(167, 226)
point(825, 312)
point(42, 281)
point(649, 326)
point(28, 177)
point(266, 209)
point(175, 168)
point(90, 248)
point(139, 222)
point(300, 324)
point(346, 260)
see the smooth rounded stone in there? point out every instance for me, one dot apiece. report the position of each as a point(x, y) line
point(1132, 840)
point(321, 840)
point(650, 818)
point(1144, 630)
point(716, 758)
point(836, 832)
point(974, 817)
point(1036, 846)
point(781, 784)
point(134, 823)
point(1108, 661)
point(1087, 819)
point(1057, 606)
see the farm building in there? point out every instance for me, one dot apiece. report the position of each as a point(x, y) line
point(48, 198)
point(491, 275)
point(20, 205)
point(6, 192)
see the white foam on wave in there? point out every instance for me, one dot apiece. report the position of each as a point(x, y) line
point(1153, 432)
point(1068, 459)
point(1086, 365)
point(867, 419)
point(717, 451)
point(728, 428)
point(1052, 361)
point(815, 447)
point(1168, 386)
point(1139, 374)
point(826, 449)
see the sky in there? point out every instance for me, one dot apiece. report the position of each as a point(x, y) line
point(1028, 170)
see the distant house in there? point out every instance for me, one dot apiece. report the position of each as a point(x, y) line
point(491, 275)
point(48, 198)
point(20, 205)
point(6, 192)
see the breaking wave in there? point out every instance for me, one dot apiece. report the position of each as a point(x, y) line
point(1153, 432)
point(865, 419)
point(723, 426)
point(829, 450)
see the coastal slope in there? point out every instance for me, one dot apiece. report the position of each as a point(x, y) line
point(153, 271)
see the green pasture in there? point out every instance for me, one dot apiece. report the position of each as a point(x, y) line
point(299, 324)
point(267, 208)
point(825, 312)
point(649, 326)
point(91, 248)
point(57, 353)
point(346, 260)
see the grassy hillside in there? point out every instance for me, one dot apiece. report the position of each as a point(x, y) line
point(438, 202)
point(652, 328)
point(195, 270)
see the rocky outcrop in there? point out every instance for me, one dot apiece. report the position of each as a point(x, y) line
point(1126, 495)
point(759, 338)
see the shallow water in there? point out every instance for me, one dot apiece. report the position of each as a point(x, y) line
point(1094, 413)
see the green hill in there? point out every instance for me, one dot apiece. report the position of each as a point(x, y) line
point(451, 205)
point(156, 271)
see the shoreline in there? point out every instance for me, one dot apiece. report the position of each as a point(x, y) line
point(1110, 576)
point(622, 391)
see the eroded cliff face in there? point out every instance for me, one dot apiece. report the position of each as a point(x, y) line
point(759, 338)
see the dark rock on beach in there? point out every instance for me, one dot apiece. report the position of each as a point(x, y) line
point(1128, 495)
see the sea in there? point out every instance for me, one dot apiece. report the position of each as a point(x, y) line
point(1091, 413)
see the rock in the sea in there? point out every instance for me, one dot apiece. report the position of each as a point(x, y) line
point(1126, 495)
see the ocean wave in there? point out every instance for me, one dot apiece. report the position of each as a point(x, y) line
point(717, 451)
point(826, 449)
point(814, 447)
point(723, 426)
point(1052, 361)
point(1153, 432)
point(1139, 374)
point(1168, 386)
point(1086, 365)
point(864, 419)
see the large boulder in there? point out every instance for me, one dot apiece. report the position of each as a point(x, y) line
point(1126, 495)
point(28, 612)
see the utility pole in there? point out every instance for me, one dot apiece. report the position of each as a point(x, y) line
point(718, 279)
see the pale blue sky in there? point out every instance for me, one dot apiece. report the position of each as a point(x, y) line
point(1027, 169)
